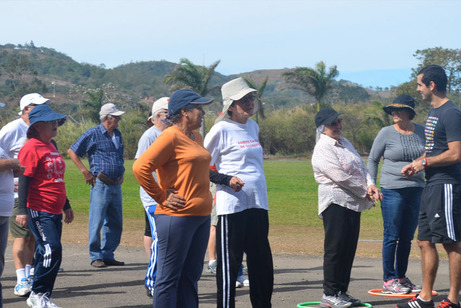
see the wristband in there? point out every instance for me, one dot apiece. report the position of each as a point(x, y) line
point(424, 162)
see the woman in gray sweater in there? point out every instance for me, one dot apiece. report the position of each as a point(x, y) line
point(398, 144)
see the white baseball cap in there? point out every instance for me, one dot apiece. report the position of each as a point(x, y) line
point(161, 103)
point(31, 99)
point(110, 109)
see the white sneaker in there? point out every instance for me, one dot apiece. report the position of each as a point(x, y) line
point(334, 301)
point(211, 268)
point(40, 300)
point(242, 281)
point(23, 288)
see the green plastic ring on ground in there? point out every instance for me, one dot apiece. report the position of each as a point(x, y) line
point(309, 304)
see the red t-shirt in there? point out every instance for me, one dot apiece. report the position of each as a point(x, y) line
point(44, 164)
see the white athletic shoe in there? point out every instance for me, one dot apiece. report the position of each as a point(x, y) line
point(40, 300)
point(242, 281)
point(23, 288)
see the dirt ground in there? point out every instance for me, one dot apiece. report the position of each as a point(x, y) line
point(283, 239)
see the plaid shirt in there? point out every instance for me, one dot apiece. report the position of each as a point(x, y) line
point(103, 156)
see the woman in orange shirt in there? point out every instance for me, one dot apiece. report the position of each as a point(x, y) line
point(184, 200)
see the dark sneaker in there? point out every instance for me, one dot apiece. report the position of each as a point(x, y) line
point(149, 292)
point(114, 263)
point(334, 301)
point(406, 282)
point(348, 298)
point(446, 303)
point(415, 302)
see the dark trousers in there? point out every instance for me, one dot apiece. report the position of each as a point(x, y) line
point(182, 242)
point(237, 233)
point(47, 229)
point(342, 228)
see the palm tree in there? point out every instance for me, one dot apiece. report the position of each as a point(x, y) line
point(315, 82)
point(259, 94)
point(196, 77)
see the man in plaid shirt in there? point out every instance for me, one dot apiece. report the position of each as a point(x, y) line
point(105, 149)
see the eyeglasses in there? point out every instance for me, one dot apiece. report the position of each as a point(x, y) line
point(336, 122)
point(247, 99)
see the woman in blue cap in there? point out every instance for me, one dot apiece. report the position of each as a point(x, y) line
point(42, 199)
point(183, 199)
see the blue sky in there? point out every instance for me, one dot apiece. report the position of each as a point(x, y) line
point(372, 42)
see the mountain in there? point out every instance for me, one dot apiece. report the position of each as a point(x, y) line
point(27, 68)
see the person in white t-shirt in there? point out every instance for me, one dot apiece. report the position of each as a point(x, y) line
point(159, 113)
point(243, 222)
point(12, 137)
point(9, 168)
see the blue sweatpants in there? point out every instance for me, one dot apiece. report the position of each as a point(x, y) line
point(182, 243)
point(47, 229)
point(151, 272)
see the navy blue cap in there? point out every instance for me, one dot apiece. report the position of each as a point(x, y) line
point(185, 97)
point(326, 116)
point(45, 113)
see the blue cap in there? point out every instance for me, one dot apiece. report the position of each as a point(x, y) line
point(45, 113)
point(185, 97)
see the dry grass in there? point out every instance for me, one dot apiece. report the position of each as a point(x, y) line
point(284, 239)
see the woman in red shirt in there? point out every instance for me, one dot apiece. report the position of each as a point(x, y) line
point(42, 190)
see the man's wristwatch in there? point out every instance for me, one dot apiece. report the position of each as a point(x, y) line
point(424, 162)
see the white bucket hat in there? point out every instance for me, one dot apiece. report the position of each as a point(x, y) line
point(233, 91)
point(161, 103)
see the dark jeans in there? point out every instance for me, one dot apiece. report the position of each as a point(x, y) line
point(400, 209)
point(342, 228)
point(237, 233)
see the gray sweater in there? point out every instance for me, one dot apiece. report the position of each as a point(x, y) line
point(398, 150)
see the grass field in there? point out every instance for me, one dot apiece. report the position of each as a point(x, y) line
point(292, 194)
point(292, 191)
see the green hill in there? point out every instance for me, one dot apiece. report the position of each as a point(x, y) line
point(27, 68)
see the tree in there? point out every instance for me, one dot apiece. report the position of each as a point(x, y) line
point(449, 59)
point(19, 71)
point(94, 98)
point(195, 77)
point(259, 94)
point(315, 82)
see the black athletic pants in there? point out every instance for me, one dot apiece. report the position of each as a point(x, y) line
point(237, 233)
point(342, 228)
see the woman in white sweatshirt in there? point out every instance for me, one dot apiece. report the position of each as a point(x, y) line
point(243, 223)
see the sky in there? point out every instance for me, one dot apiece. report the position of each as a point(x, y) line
point(372, 42)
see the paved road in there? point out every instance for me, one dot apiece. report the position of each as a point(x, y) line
point(298, 279)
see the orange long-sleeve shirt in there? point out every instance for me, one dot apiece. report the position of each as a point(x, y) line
point(181, 164)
